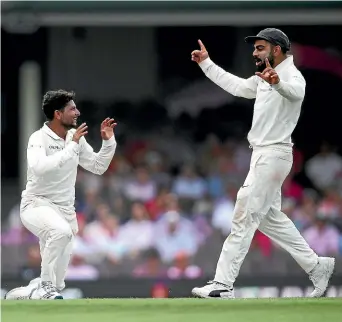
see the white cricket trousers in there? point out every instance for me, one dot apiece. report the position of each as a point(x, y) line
point(258, 206)
point(56, 236)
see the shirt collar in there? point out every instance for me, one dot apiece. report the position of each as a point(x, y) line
point(285, 63)
point(49, 132)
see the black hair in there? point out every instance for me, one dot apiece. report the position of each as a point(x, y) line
point(56, 100)
point(283, 49)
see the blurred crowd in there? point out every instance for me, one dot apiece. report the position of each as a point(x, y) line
point(164, 198)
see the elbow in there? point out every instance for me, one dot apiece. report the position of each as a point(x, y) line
point(96, 170)
point(101, 171)
point(299, 95)
point(295, 96)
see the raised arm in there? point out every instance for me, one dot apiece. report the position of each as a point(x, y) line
point(246, 88)
point(99, 162)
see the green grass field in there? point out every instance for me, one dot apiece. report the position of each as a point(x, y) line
point(174, 310)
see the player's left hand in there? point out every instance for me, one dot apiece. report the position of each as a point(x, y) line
point(269, 74)
point(107, 127)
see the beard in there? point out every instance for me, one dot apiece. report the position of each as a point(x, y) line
point(69, 126)
point(260, 68)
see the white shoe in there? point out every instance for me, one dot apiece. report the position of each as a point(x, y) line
point(321, 275)
point(35, 281)
point(18, 293)
point(214, 290)
point(46, 291)
point(23, 292)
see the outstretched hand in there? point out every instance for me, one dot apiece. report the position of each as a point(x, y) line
point(199, 55)
point(269, 74)
point(107, 128)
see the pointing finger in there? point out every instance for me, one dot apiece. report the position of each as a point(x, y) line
point(267, 63)
point(201, 45)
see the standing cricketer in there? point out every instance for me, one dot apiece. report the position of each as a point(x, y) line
point(278, 89)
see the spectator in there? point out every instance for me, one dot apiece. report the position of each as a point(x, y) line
point(188, 184)
point(157, 206)
point(325, 167)
point(216, 178)
point(303, 216)
point(16, 233)
point(104, 234)
point(32, 267)
point(288, 206)
point(183, 269)
point(78, 269)
point(140, 188)
point(83, 245)
point(137, 233)
point(322, 237)
point(156, 165)
point(201, 215)
point(223, 211)
point(330, 203)
point(291, 189)
point(151, 267)
point(175, 237)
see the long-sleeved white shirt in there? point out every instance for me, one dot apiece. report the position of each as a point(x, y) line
point(52, 167)
point(277, 107)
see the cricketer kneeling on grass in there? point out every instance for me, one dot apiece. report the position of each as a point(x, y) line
point(47, 206)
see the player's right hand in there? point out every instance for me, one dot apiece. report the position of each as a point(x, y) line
point(81, 131)
point(199, 55)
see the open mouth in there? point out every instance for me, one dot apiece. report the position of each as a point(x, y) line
point(75, 120)
point(258, 62)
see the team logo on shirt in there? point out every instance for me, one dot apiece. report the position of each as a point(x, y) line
point(55, 147)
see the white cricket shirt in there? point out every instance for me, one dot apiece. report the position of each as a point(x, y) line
point(277, 107)
point(52, 167)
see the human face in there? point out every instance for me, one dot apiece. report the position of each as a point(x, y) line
point(138, 212)
point(263, 50)
point(69, 115)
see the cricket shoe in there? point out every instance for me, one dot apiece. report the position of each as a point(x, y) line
point(321, 274)
point(45, 291)
point(23, 292)
point(214, 290)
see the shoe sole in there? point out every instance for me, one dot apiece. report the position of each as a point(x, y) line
point(59, 297)
point(199, 296)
